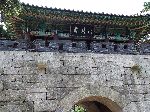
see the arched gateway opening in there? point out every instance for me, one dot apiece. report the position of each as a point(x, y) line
point(94, 106)
point(98, 104)
point(102, 97)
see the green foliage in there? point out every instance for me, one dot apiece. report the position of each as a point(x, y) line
point(4, 33)
point(146, 7)
point(147, 24)
point(10, 8)
point(78, 109)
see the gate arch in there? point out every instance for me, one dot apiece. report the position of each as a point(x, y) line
point(104, 95)
point(105, 103)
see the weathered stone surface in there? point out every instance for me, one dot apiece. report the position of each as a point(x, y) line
point(35, 81)
point(36, 96)
point(1, 86)
point(58, 93)
point(12, 95)
point(47, 105)
point(17, 107)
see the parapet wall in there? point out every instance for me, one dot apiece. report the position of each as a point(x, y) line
point(54, 82)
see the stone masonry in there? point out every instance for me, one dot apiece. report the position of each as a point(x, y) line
point(54, 82)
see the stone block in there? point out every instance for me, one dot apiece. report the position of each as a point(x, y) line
point(135, 97)
point(1, 86)
point(46, 105)
point(30, 78)
point(36, 96)
point(132, 107)
point(17, 85)
point(58, 93)
point(12, 78)
point(4, 109)
point(37, 88)
point(23, 106)
point(147, 97)
point(28, 70)
point(14, 108)
point(12, 95)
point(83, 70)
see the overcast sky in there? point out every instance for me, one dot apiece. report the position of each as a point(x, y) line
point(126, 7)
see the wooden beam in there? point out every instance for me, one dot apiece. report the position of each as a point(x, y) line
point(15, 18)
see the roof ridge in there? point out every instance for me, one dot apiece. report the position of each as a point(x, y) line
point(85, 12)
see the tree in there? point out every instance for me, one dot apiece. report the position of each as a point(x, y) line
point(147, 24)
point(3, 32)
point(146, 7)
point(9, 8)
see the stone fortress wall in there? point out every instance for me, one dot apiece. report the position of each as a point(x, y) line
point(54, 82)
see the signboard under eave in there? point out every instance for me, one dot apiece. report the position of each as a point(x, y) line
point(82, 30)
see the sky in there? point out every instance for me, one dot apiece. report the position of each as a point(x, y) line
point(126, 7)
